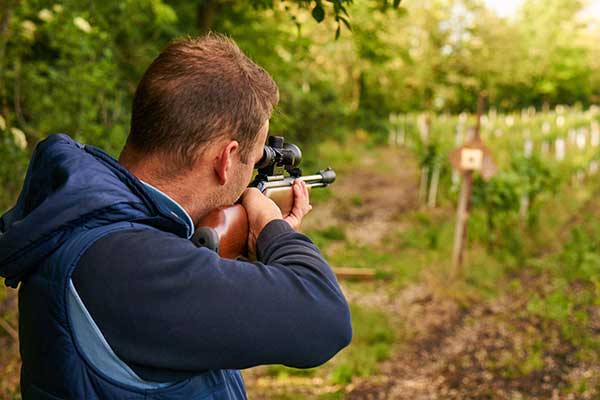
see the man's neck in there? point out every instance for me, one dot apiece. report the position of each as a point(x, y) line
point(181, 189)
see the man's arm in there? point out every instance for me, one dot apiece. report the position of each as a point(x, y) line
point(165, 304)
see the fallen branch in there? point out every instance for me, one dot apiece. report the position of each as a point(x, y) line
point(9, 329)
point(355, 273)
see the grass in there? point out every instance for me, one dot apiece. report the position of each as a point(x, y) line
point(341, 252)
point(320, 195)
point(324, 237)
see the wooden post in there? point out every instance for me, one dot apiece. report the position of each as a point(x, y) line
point(462, 212)
point(559, 149)
point(433, 186)
point(595, 134)
point(424, 130)
point(524, 208)
point(393, 136)
point(462, 218)
point(423, 185)
point(524, 202)
point(363, 274)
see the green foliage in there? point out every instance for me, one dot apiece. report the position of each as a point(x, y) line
point(320, 196)
point(575, 291)
point(499, 195)
point(324, 237)
point(69, 68)
point(299, 119)
point(318, 13)
point(424, 234)
point(501, 200)
point(535, 179)
point(14, 158)
point(580, 259)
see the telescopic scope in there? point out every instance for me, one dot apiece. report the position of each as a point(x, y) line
point(279, 154)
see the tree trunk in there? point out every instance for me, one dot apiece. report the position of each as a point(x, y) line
point(205, 15)
point(362, 90)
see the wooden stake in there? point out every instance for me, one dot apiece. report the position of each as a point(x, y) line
point(433, 187)
point(462, 212)
point(524, 208)
point(462, 217)
point(423, 185)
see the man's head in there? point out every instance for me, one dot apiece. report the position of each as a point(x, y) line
point(202, 104)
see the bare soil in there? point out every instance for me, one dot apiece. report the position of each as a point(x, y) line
point(367, 199)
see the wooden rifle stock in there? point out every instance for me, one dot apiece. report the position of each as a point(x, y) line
point(225, 229)
point(231, 227)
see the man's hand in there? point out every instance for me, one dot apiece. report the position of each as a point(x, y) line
point(301, 204)
point(261, 210)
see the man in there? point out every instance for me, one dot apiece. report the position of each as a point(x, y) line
point(115, 301)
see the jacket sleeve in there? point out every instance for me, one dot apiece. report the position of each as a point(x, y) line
point(161, 302)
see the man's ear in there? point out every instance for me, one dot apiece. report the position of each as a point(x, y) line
point(224, 160)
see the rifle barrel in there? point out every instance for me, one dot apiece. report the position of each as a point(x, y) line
point(321, 179)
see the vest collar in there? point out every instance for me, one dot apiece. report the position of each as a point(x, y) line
point(167, 203)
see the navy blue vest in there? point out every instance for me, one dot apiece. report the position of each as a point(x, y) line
point(62, 359)
point(72, 196)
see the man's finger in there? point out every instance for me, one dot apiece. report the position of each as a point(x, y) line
point(304, 191)
point(297, 189)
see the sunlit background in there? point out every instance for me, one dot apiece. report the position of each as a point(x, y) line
point(508, 8)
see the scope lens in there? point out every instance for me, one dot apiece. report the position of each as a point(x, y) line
point(268, 158)
point(287, 156)
point(290, 155)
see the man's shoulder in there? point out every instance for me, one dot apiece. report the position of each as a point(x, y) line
point(124, 253)
point(136, 237)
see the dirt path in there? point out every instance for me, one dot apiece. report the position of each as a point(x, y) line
point(367, 198)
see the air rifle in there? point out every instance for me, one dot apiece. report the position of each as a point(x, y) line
point(225, 230)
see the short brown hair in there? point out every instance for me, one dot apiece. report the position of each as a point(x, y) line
point(196, 90)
